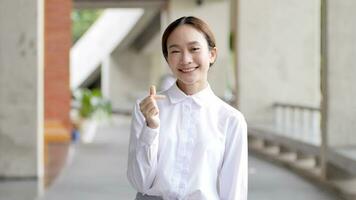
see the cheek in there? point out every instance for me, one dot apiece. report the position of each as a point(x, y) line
point(171, 65)
point(172, 61)
point(204, 60)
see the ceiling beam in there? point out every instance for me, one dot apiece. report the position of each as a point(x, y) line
point(96, 4)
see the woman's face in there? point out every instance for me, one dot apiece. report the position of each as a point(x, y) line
point(189, 56)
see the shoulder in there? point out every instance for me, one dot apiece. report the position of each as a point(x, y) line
point(227, 110)
point(230, 115)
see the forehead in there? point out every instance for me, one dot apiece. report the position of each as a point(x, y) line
point(186, 34)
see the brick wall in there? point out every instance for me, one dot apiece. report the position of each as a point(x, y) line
point(57, 46)
point(56, 85)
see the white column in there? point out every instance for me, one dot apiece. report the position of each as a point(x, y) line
point(278, 47)
point(21, 88)
point(341, 51)
point(105, 77)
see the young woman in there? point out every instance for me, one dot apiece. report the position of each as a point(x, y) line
point(187, 143)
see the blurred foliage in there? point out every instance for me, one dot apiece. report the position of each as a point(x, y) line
point(81, 22)
point(92, 103)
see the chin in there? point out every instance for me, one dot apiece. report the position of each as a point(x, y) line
point(188, 81)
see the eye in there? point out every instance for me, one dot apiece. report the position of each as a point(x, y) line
point(174, 51)
point(194, 49)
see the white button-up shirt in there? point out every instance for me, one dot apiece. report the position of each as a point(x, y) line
point(199, 151)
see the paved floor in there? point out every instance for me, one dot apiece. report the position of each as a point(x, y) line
point(269, 182)
point(98, 171)
point(18, 189)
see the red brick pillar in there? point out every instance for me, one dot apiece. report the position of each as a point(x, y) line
point(58, 41)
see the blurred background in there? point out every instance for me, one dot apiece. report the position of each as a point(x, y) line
point(71, 70)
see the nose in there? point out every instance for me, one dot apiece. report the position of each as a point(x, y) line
point(186, 58)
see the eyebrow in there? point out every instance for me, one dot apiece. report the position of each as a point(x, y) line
point(175, 45)
point(172, 46)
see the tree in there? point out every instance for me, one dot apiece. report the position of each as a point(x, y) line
point(81, 22)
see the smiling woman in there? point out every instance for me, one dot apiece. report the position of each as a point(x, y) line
point(186, 143)
point(189, 58)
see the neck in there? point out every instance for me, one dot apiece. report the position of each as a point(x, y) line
point(193, 88)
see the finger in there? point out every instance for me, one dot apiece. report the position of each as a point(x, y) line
point(152, 90)
point(149, 107)
point(152, 112)
point(150, 100)
point(144, 103)
point(159, 97)
point(147, 100)
point(149, 113)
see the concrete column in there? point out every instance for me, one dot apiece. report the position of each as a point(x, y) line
point(129, 77)
point(341, 51)
point(216, 14)
point(105, 77)
point(278, 48)
point(21, 88)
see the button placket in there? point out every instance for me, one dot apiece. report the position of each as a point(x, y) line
point(183, 155)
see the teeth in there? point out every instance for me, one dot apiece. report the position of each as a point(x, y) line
point(188, 70)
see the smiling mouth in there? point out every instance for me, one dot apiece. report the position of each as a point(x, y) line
point(188, 69)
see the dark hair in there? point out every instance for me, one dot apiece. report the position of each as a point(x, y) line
point(196, 23)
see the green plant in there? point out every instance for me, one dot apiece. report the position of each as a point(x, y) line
point(92, 103)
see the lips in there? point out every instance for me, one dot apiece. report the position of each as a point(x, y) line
point(187, 70)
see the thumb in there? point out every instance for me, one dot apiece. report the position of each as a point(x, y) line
point(152, 90)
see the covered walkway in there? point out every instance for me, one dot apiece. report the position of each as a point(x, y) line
point(292, 71)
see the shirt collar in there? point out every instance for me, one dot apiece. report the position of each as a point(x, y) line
point(201, 98)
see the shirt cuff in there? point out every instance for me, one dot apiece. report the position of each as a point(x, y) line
point(148, 135)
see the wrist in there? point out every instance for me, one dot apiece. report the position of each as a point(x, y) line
point(151, 125)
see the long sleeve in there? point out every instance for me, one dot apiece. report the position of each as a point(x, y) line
point(233, 178)
point(143, 149)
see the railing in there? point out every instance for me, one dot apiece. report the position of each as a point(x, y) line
point(295, 143)
point(298, 122)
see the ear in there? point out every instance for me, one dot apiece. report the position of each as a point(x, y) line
point(212, 55)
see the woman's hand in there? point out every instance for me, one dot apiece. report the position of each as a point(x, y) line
point(149, 108)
